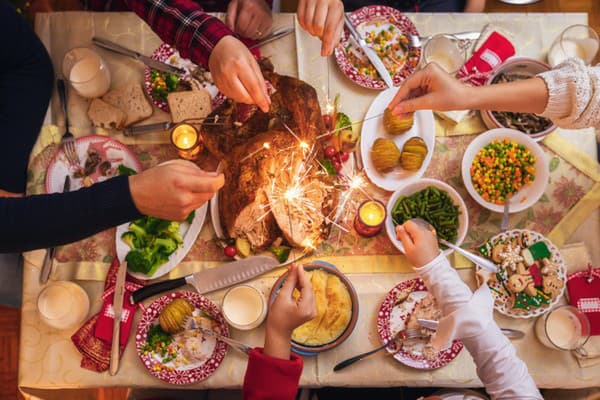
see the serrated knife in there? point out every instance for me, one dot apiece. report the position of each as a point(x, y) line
point(209, 280)
point(149, 61)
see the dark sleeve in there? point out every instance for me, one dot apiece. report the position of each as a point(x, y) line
point(269, 378)
point(47, 220)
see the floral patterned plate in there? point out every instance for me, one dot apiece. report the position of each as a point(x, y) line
point(169, 371)
point(371, 20)
point(391, 318)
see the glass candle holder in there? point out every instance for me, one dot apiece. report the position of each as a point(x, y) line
point(370, 218)
point(187, 140)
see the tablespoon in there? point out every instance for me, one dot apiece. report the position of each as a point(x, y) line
point(482, 262)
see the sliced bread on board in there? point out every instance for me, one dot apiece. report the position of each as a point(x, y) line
point(131, 100)
point(189, 104)
point(106, 116)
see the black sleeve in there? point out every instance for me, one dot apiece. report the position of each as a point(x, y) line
point(48, 220)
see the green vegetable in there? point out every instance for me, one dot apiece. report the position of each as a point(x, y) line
point(281, 252)
point(123, 170)
point(342, 121)
point(157, 341)
point(191, 217)
point(434, 206)
point(328, 167)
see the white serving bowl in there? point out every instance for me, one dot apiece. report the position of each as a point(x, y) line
point(523, 66)
point(407, 190)
point(527, 195)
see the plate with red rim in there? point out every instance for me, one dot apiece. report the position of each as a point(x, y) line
point(109, 150)
point(192, 372)
point(391, 318)
point(376, 18)
point(171, 56)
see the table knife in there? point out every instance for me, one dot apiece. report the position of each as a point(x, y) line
point(212, 279)
point(49, 258)
point(371, 54)
point(161, 66)
point(276, 34)
point(509, 333)
point(118, 312)
point(141, 129)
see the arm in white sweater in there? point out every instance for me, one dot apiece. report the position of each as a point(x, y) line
point(469, 317)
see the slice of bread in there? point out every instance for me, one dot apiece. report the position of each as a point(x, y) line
point(189, 104)
point(106, 116)
point(131, 100)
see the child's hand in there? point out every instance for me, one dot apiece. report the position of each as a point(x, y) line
point(287, 313)
point(420, 244)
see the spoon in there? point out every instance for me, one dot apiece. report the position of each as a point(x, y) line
point(482, 262)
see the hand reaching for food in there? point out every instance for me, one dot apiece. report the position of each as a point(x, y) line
point(249, 18)
point(323, 19)
point(286, 313)
point(237, 74)
point(173, 190)
point(420, 244)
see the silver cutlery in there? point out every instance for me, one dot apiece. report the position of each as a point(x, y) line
point(276, 34)
point(191, 324)
point(464, 37)
point(411, 333)
point(506, 211)
point(118, 312)
point(141, 129)
point(68, 140)
point(509, 333)
point(46, 270)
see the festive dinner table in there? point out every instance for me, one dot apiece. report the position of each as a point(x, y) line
point(567, 214)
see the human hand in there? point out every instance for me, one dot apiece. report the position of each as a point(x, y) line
point(173, 190)
point(432, 88)
point(323, 19)
point(249, 18)
point(420, 244)
point(237, 74)
point(287, 313)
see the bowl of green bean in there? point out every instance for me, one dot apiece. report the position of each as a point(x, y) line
point(434, 201)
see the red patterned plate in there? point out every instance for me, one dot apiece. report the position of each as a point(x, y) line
point(375, 19)
point(169, 55)
point(392, 317)
point(182, 374)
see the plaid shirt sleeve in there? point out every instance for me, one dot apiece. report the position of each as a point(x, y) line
point(184, 25)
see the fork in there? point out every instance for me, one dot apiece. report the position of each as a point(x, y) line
point(68, 140)
point(411, 333)
point(191, 324)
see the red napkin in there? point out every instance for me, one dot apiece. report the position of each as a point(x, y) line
point(493, 52)
point(94, 338)
point(584, 293)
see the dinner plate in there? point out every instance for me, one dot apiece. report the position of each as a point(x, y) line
point(109, 149)
point(376, 18)
point(372, 129)
point(189, 233)
point(526, 196)
point(169, 55)
point(503, 298)
point(185, 373)
point(392, 318)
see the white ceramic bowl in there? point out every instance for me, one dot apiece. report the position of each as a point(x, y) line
point(523, 66)
point(407, 190)
point(527, 195)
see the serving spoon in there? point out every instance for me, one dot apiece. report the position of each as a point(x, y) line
point(482, 262)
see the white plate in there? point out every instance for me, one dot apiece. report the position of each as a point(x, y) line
point(372, 129)
point(189, 233)
point(527, 195)
point(463, 218)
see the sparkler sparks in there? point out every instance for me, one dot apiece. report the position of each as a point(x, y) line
point(266, 146)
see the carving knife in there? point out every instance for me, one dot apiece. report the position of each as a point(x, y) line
point(209, 280)
point(509, 333)
point(149, 61)
point(118, 311)
point(49, 258)
point(371, 54)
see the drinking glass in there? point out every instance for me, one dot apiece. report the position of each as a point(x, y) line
point(63, 305)
point(87, 72)
point(579, 41)
point(564, 328)
point(445, 50)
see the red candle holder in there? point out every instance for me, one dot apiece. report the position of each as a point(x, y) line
point(370, 218)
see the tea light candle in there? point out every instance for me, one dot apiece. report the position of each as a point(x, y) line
point(370, 218)
point(187, 141)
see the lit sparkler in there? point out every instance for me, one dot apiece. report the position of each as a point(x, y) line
point(265, 146)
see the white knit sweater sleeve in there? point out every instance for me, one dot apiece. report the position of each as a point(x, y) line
point(469, 317)
point(573, 95)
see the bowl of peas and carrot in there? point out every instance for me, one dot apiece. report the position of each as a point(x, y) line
point(505, 164)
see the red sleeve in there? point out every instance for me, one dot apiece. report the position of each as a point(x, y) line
point(269, 378)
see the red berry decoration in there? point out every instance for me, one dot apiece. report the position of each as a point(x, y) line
point(327, 121)
point(337, 165)
point(344, 156)
point(330, 152)
point(230, 251)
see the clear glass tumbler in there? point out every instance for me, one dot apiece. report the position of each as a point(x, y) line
point(564, 328)
point(87, 72)
point(580, 41)
point(445, 50)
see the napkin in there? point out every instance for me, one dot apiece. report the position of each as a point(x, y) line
point(584, 293)
point(93, 340)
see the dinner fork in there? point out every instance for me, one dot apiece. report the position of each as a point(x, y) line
point(68, 140)
point(411, 333)
point(190, 323)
